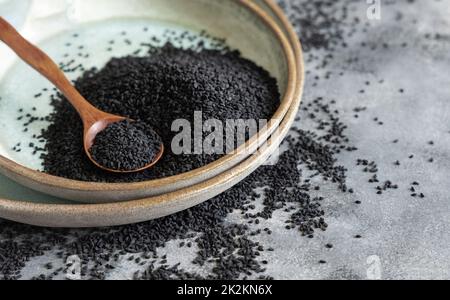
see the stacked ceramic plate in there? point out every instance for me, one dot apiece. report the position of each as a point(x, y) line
point(257, 28)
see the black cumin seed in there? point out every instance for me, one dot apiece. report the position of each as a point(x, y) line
point(165, 86)
point(126, 146)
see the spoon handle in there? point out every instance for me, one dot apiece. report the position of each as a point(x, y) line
point(40, 61)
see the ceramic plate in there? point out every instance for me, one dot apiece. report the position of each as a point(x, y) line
point(53, 27)
point(26, 206)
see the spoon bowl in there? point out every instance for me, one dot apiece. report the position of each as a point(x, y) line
point(94, 120)
point(90, 133)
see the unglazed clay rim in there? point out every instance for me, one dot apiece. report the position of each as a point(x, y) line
point(108, 214)
point(12, 169)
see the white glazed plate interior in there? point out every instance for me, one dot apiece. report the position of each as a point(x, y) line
point(52, 23)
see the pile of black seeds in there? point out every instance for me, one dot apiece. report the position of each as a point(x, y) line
point(157, 89)
point(126, 146)
point(320, 23)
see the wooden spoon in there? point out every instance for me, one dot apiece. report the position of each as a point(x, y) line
point(94, 120)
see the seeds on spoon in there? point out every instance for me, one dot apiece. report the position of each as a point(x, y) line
point(126, 146)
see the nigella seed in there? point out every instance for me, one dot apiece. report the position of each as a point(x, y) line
point(126, 146)
point(160, 105)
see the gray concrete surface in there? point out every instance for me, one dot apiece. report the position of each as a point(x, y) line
point(409, 237)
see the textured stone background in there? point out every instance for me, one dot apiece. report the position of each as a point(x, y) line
point(411, 237)
point(402, 237)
